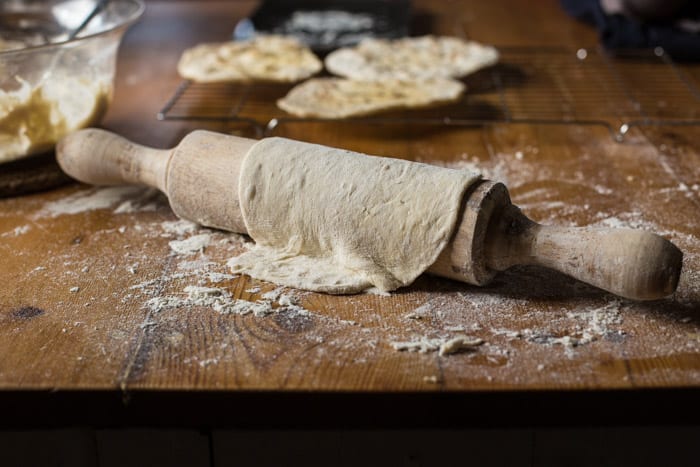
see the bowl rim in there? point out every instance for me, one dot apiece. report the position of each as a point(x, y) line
point(140, 8)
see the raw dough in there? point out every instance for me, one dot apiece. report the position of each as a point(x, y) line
point(264, 58)
point(413, 58)
point(340, 222)
point(341, 98)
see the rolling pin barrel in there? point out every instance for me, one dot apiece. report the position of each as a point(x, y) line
point(200, 178)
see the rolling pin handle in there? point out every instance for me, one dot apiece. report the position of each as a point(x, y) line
point(99, 157)
point(630, 263)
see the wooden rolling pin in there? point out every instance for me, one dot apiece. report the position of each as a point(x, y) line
point(200, 178)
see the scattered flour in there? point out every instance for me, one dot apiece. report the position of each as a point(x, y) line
point(148, 199)
point(190, 245)
point(597, 322)
point(576, 328)
point(459, 344)
point(208, 361)
point(179, 228)
point(221, 301)
point(444, 346)
point(17, 231)
point(273, 294)
point(216, 277)
point(88, 200)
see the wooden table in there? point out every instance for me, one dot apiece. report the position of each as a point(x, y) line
point(80, 344)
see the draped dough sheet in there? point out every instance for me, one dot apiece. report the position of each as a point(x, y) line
point(339, 222)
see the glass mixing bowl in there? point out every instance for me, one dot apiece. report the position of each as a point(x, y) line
point(49, 85)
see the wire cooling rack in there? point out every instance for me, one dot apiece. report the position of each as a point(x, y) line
point(536, 86)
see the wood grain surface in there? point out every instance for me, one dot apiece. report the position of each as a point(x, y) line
point(80, 265)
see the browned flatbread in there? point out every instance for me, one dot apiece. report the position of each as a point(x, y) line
point(214, 62)
point(264, 58)
point(340, 98)
point(415, 58)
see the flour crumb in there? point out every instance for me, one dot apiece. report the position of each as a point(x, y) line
point(17, 231)
point(179, 228)
point(197, 293)
point(273, 294)
point(519, 155)
point(443, 346)
point(223, 302)
point(459, 344)
point(208, 361)
point(194, 244)
point(121, 229)
point(287, 300)
point(253, 290)
point(376, 291)
point(85, 269)
point(422, 345)
point(430, 379)
point(421, 311)
point(89, 200)
point(216, 277)
point(74, 289)
point(290, 303)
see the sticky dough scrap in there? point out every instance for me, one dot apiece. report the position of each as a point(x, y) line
point(341, 222)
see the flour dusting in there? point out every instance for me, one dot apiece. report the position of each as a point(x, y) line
point(149, 199)
point(179, 227)
point(89, 200)
point(221, 301)
point(190, 245)
point(444, 346)
point(17, 231)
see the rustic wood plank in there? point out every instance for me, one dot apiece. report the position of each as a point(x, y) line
point(541, 330)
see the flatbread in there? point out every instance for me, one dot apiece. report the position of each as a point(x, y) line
point(340, 222)
point(278, 58)
point(206, 63)
point(413, 58)
point(340, 98)
point(264, 58)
